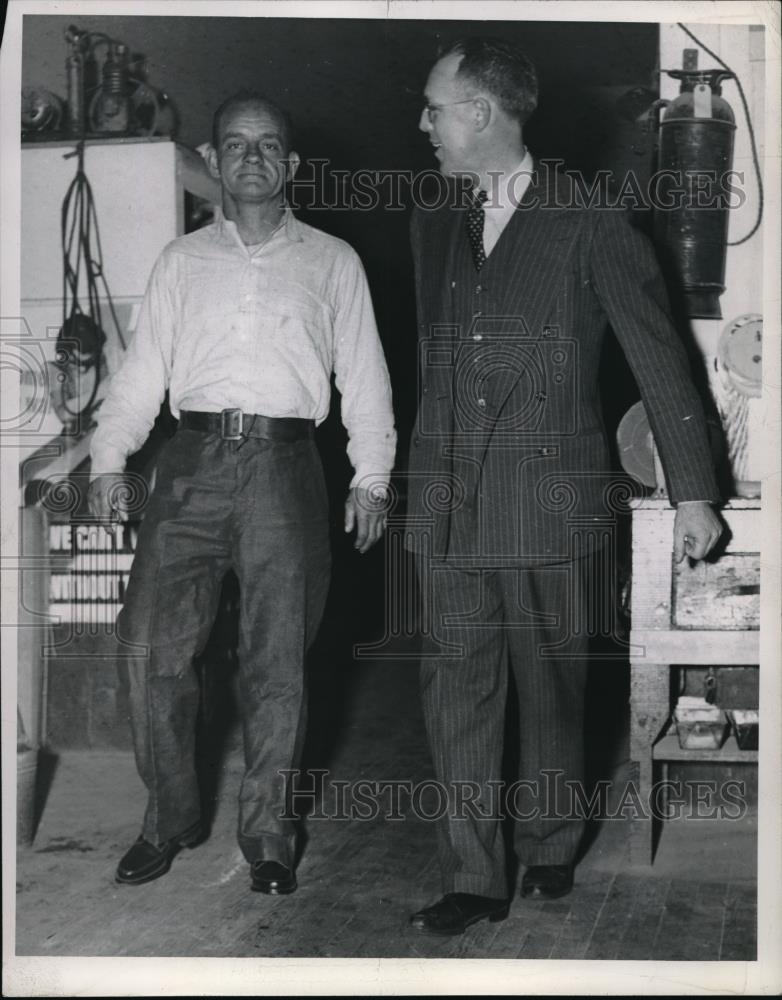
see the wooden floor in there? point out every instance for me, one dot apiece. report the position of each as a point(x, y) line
point(360, 879)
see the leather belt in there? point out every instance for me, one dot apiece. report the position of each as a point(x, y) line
point(234, 425)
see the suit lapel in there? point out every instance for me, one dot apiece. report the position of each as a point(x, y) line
point(441, 261)
point(531, 256)
point(526, 266)
point(528, 263)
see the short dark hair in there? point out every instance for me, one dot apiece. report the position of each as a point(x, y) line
point(501, 68)
point(246, 96)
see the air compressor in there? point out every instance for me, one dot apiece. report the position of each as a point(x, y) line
point(693, 191)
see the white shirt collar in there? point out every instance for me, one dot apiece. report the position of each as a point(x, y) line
point(507, 190)
point(288, 222)
point(506, 193)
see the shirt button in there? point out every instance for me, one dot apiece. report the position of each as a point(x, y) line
point(478, 289)
point(453, 284)
point(481, 402)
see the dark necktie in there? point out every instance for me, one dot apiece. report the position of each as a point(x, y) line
point(475, 219)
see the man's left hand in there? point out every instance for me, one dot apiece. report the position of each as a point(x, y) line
point(367, 513)
point(695, 531)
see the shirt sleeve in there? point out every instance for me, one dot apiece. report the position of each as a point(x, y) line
point(627, 280)
point(362, 377)
point(136, 391)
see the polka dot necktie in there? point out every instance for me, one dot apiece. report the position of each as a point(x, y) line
point(475, 219)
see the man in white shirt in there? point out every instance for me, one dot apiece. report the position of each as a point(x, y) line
point(243, 323)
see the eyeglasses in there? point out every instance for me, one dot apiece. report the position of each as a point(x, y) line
point(433, 110)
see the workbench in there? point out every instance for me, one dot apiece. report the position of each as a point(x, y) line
point(705, 613)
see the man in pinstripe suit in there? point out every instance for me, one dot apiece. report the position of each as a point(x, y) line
point(510, 500)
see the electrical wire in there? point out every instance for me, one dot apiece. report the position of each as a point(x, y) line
point(755, 158)
point(81, 247)
point(93, 261)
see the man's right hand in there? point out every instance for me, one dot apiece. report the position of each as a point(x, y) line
point(104, 497)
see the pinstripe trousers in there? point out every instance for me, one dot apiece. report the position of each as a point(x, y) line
point(532, 620)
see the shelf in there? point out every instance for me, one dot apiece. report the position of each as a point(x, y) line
point(52, 140)
point(651, 504)
point(729, 753)
point(694, 647)
point(58, 458)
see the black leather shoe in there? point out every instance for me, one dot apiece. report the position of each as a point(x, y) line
point(547, 881)
point(144, 861)
point(273, 878)
point(456, 911)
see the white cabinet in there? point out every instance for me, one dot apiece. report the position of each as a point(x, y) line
point(139, 188)
point(142, 190)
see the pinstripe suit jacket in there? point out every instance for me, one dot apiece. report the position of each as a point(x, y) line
point(509, 451)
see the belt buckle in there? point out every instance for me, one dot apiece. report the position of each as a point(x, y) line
point(231, 421)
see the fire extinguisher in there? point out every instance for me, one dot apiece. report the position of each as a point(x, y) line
point(693, 196)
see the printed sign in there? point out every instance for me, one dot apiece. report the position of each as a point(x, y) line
point(90, 568)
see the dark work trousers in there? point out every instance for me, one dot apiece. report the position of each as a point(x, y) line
point(533, 618)
point(260, 508)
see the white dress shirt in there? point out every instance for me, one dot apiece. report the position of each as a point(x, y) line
point(503, 197)
point(261, 328)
